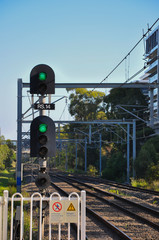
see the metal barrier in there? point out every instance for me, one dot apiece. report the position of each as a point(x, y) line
point(62, 211)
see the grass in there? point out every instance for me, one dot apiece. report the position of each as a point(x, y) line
point(7, 181)
point(117, 192)
point(144, 184)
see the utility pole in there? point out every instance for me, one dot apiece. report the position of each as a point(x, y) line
point(128, 152)
point(66, 164)
point(100, 154)
point(134, 146)
point(85, 154)
point(19, 135)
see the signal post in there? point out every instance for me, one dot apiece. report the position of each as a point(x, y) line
point(42, 128)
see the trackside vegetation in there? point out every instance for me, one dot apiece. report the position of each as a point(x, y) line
point(7, 181)
point(95, 105)
point(7, 166)
point(85, 105)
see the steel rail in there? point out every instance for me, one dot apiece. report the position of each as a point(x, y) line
point(134, 215)
point(97, 216)
point(148, 209)
point(120, 185)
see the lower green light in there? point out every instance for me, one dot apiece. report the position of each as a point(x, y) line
point(42, 128)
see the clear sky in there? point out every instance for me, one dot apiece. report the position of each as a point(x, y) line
point(82, 40)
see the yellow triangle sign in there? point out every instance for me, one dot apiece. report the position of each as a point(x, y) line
point(71, 207)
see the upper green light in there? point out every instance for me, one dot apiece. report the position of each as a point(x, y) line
point(42, 128)
point(42, 76)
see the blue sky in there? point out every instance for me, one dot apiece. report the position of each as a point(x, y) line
point(81, 40)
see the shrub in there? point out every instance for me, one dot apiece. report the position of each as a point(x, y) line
point(145, 158)
point(92, 170)
point(12, 181)
point(115, 167)
point(12, 190)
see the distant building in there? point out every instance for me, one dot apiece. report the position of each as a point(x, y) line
point(152, 74)
point(145, 90)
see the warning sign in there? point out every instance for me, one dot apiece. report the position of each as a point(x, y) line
point(64, 211)
point(56, 211)
point(71, 208)
point(72, 211)
point(57, 207)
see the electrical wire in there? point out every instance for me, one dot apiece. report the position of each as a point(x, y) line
point(127, 64)
point(63, 110)
point(144, 35)
point(137, 73)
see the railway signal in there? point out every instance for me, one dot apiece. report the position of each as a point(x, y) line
point(42, 181)
point(42, 80)
point(42, 137)
point(42, 129)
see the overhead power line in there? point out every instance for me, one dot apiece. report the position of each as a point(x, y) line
point(144, 35)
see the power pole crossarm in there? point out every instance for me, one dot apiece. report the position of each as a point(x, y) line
point(131, 113)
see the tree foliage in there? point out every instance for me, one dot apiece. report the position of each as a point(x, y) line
point(7, 154)
point(86, 105)
point(125, 96)
point(94, 105)
point(115, 167)
point(147, 161)
point(4, 153)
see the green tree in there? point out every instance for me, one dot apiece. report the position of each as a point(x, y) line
point(7, 154)
point(2, 139)
point(115, 167)
point(125, 96)
point(147, 161)
point(152, 172)
point(136, 103)
point(4, 153)
point(10, 144)
point(86, 105)
point(145, 157)
point(10, 158)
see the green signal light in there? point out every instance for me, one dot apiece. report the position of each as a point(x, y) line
point(42, 76)
point(42, 128)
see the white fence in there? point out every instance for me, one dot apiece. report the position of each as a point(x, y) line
point(45, 223)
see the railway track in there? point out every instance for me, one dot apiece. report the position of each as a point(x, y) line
point(97, 227)
point(121, 201)
point(146, 197)
point(107, 217)
point(30, 187)
point(95, 217)
point(131, 214)
point(118, 185)
point(95, 222)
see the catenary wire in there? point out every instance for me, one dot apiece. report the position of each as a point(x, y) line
point(149, 29)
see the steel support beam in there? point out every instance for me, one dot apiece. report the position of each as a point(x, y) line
point(19, 135)
point(134, 146)
point(85, 154)
point(100, 154)
point(76, 154)
point(128, 153)
point(108, 122)
point(90, 134)
point(66, 163)
point(102, 85)
point(151, 108)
